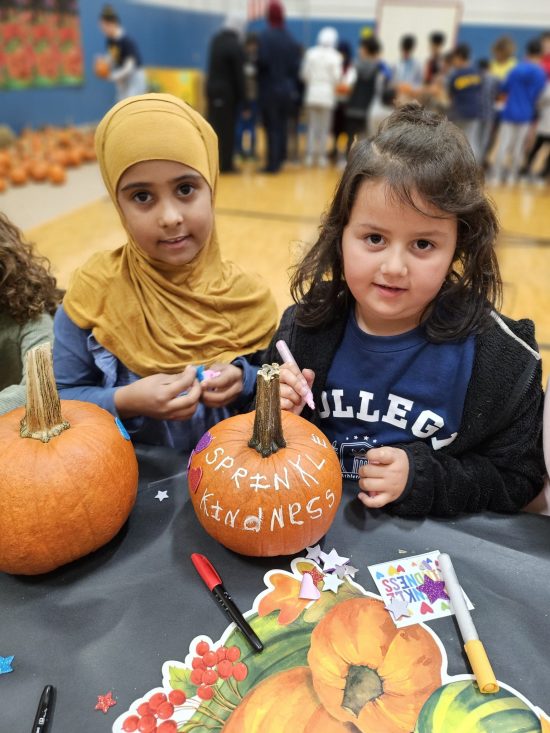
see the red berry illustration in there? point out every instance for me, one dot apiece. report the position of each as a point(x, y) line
point(156, 700)
point(144, 709)
point(196, 676)
point(198, 663)
point(177, 697)
point(205, 693)
point(130, 724)
point(210, 659)
point(220, 653)
point(165, 711)
point(233, 653)
point(240, 671)
point(210, 677)
point(169, 726)
point(203, 647)
point(147, 724)
point(224, 669)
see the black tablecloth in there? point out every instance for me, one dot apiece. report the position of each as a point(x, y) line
point(109, 621)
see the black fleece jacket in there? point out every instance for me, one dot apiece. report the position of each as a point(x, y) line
point(496, 462)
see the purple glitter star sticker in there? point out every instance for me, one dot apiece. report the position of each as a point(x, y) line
point(434, 589)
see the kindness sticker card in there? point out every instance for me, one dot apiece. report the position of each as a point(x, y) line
point(412, 588)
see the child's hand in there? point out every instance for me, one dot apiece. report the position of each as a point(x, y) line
point(223, 389)
point(294, 386)
point(384, 477)
point(160, 396)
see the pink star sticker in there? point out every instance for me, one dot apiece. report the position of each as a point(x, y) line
point(434, 589)
point(104, 702)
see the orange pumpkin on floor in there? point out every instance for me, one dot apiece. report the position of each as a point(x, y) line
point(67, 482)
point(265, 483)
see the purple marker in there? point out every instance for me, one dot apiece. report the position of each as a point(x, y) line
point(286, 355)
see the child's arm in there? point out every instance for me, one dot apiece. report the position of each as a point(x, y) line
point(32, 334)
point(294, 387)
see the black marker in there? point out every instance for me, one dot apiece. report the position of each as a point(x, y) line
point(44, 713)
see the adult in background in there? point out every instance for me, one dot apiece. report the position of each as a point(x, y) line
point(321, 71)
point(278, 66)
point(434, 64)
point(225, 86)
point(123, 57)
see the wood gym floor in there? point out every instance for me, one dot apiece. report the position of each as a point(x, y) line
point(264, 222)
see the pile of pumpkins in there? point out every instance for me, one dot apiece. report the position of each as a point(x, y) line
point(44, 155)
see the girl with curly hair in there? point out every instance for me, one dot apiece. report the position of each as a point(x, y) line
point(431, 398)
point(28, 299)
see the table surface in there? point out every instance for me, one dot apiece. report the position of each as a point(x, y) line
point(109, 621)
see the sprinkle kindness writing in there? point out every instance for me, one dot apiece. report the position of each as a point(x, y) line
point(301, 474)
point(405, 587)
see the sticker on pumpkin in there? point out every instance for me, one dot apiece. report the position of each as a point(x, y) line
point(194, 478)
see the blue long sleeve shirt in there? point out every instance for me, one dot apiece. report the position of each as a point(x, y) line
point(85, 370)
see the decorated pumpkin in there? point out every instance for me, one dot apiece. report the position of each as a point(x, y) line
point(67, 481)
point(459, 704)
point(283, 702)
point(368, 672)
point(265, 483)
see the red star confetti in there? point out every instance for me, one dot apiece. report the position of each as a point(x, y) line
point(104, 702)
point(434, 589)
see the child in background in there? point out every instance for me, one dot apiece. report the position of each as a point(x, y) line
point(126, 69)
point(28, 299)
point(137, 321)
point(432, 400)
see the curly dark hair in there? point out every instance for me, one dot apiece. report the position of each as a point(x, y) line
point(419, 154)
point(27, 288)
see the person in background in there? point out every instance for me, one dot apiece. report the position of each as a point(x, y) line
point(278, 66)
point(465, 97)
point(522, 88)
point(434, 64)
point(545, 52)
point(28, 299)
point(396, 329)
point(343, 89)
point(126, 70)
point(248, 115)
point(407, 76)
point(488, 97)
point(542, 138)
point(362, 93)
point(503, 57)
point(225, 86)
point(138, 321)
point(321, 71)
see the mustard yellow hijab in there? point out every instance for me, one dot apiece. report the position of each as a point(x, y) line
point(156, 317)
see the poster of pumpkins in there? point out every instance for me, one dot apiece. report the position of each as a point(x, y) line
point(336, 664)
point(40, 44)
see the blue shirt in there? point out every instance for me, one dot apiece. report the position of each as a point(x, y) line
point(523, 85)
point(85, 370)
point(465, 93)
point(386, 390)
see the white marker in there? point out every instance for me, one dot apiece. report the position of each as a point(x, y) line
point(286, 356)
point(473, 647)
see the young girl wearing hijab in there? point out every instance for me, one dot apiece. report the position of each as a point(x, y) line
point(137, 321)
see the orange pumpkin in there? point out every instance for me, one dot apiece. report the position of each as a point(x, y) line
point(368, 672)
point(3, 185)
point(265, 483)
point(102, 67)
point(283, 702)
point(18, 175)
point(67, 483)
point(56, 174)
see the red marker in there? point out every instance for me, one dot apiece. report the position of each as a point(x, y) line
point(214, 584)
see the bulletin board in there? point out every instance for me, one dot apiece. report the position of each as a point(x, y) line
point(396, 18)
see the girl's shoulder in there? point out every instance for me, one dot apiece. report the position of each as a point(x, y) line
point(509, 332)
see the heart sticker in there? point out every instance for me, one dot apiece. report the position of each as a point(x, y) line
point(400, 569)
point(424, 608)
point(391, 570)
point(204, 442)
point(194, 478)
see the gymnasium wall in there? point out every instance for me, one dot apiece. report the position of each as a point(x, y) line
point(175, 33)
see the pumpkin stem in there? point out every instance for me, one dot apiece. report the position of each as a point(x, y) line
point(43, 419)
point(267, 434)
point(363, 684)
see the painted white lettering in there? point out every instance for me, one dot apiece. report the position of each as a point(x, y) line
point(329, 495)
point(278, 515)
point(239, 473)
point(256, 482)
point(216, 509)
point(318, 466)
point(226, 462)
point(204, 501)
point(278, 480)
point(230, 517)
point(314, 513)
point(294, 509)
point(426, 424)
point(364, 413)
point(253, 523)
point(397, 410)
point(210, 459)
point(318, 440)
point(339, 411)
point(303, 473)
